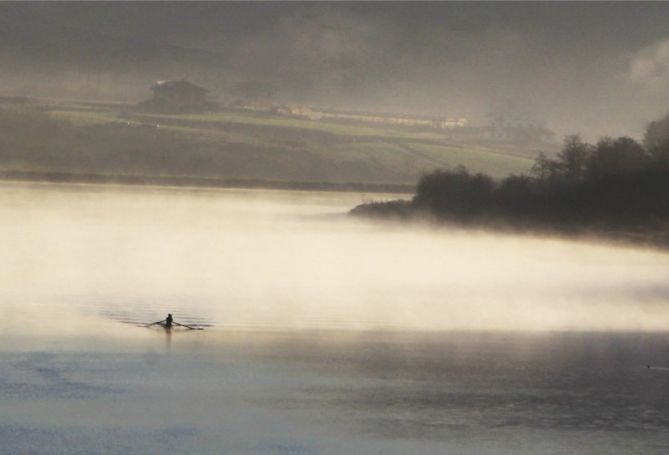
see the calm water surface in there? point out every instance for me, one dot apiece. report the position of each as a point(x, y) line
point(324, 335)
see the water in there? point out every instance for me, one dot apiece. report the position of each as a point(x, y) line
point(325, 335)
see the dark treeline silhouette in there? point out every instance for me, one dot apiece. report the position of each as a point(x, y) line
point(617, 187)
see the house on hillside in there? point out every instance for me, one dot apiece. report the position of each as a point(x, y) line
point(520, 130)
point(176, 96)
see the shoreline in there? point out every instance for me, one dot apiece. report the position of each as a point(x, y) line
point(200, 182)
point(402, 212)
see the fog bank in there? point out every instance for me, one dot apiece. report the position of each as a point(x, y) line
point(292, 260)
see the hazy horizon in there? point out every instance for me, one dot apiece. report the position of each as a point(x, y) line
point(595, 69)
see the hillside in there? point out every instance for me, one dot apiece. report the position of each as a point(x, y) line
point(84, 137)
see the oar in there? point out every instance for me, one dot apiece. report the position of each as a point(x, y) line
point(154, 323)
point(188, 326)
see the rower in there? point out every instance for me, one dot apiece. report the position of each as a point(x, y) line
point(168, 321)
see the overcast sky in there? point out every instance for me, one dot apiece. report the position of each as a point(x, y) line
point(595, 68)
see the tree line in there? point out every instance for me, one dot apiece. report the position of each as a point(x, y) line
point(617, 185)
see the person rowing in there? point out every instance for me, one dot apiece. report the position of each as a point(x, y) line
point(168, 323)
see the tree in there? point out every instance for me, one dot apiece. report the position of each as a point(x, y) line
point(656, 140)
point(618, 156)
point(455, 192)
point(543, 168)
point(573, 158)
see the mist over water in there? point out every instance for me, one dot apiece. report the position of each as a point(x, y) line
point(292, 292)
point(251, 259)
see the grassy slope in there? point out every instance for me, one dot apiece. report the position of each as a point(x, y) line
point(309, 150)
point(263, 119)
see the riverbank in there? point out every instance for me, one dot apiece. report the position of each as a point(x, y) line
point(200, 182)
point(403, 211)
point(409, 212)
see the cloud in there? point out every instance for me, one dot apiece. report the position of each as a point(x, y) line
point(650, 66)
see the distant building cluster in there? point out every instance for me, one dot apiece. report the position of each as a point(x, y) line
point(370, 117)
point(173, 96)
point(176, 96)
point(518, 130)
point(184, 96)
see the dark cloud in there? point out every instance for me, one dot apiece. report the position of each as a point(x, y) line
point(594, 67)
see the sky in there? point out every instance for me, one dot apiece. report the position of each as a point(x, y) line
point(590, 68)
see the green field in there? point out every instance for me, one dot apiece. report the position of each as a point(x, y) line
point(261, 119)
point(261, 145)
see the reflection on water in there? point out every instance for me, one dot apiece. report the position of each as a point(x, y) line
point(329, 393)
point(432, 387)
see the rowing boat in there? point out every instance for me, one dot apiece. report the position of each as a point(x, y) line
point(164, 325)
